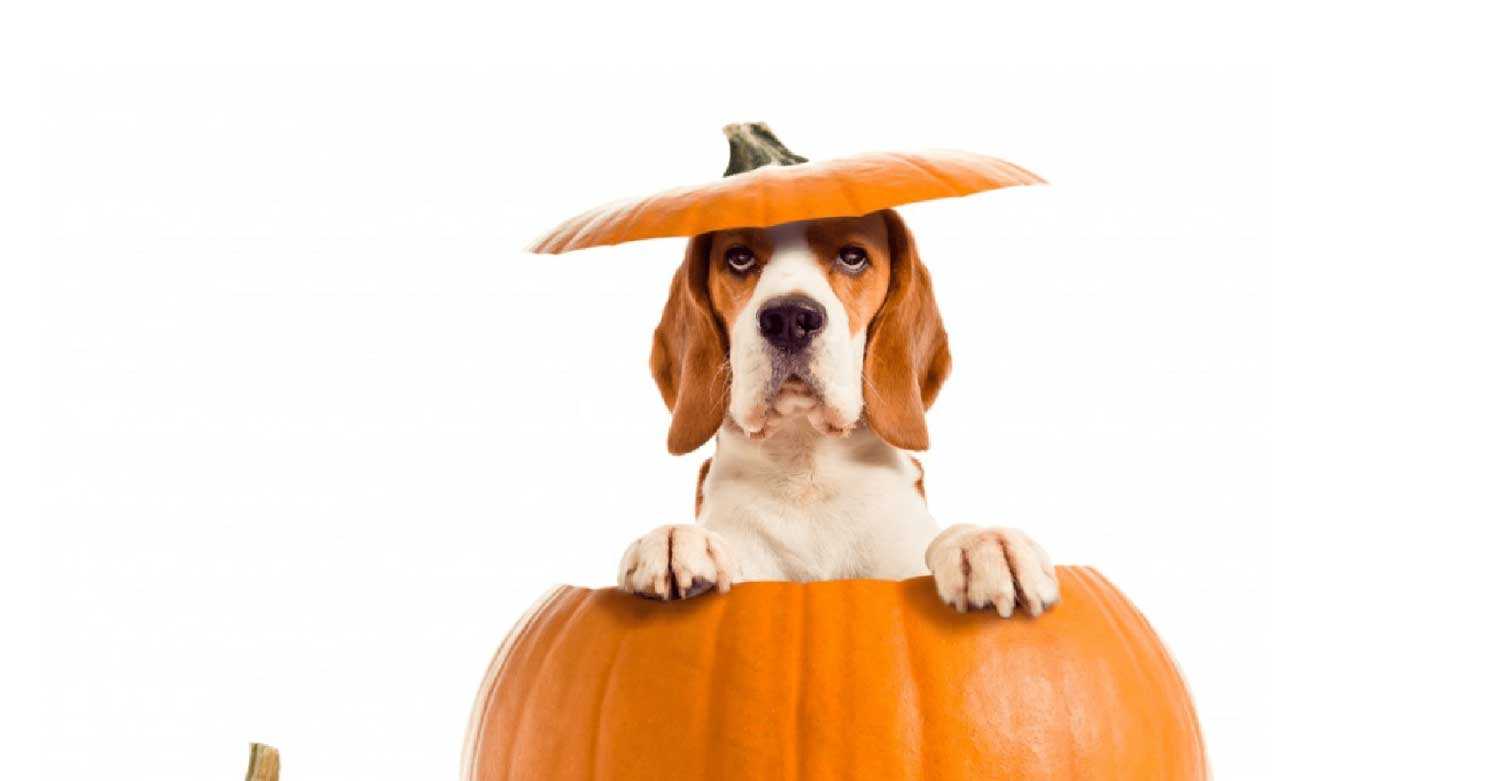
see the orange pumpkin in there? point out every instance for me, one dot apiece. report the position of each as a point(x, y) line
point(857, 679)
point(768, 185)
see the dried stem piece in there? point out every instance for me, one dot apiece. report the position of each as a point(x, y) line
point(265, 763)
point(752, 145)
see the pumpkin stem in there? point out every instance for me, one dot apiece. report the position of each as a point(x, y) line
point(265, 763)
point(752, 145)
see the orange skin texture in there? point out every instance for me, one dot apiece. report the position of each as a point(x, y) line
point(862, 679)
point(775, 194)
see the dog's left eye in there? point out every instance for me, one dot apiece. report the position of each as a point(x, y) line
point(853, 258)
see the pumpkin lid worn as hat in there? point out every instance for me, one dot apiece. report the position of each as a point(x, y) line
point(766, 184)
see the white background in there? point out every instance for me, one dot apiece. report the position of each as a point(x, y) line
point(313, 430)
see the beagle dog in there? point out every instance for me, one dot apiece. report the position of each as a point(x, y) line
point(810, 352)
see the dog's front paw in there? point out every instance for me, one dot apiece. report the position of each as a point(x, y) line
point(676, 562)
point(1000, 568)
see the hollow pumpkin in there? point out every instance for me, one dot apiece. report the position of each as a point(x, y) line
point(837, 679)
point(766, 184)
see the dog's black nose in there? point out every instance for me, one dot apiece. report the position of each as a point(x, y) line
point(790, 322)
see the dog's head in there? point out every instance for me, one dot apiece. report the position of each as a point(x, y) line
point(829, 320)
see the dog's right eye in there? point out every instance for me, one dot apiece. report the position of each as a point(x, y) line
point(739, 258)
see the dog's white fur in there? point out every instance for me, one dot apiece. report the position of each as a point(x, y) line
point(799, 490)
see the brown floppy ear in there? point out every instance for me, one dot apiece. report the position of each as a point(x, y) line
point(689, 354)
point(906, 356)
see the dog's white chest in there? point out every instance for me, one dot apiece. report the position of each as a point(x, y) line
point(835, 509)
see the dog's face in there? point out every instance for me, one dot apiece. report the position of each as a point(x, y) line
point(796, 301)
point(829, 320)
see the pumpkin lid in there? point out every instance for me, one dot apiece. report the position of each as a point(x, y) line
point(766, 184)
